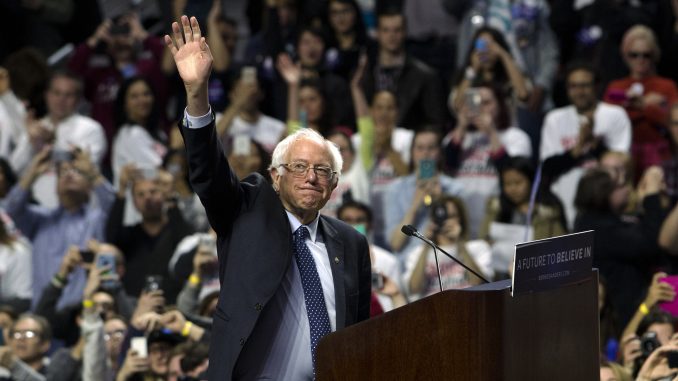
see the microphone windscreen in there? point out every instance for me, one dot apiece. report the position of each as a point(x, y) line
point(408, 230)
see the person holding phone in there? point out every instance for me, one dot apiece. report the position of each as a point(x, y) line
point(407, 199)
point(448, 228)
point(476, 147)
point(646, 97)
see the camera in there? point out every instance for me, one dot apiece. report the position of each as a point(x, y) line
point(648, 344)
point(439, 212)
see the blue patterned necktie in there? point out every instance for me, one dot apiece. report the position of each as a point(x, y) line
point(318, 318)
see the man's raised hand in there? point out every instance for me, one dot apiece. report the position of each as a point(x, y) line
point(194, 62)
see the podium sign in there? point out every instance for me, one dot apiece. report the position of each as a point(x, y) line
point(552, 263)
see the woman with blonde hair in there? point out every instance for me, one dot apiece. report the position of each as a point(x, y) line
point(645, 96)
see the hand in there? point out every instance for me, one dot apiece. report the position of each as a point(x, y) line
point(243, 93)
point(38, 134)
point(630, 349)
point(128, 174)
point(191, 55)
point(202, 259)
point(133, 364)
point(7, 357)
point(82, 162)
point(390, 287)
point(585, 140)
point(215, 12)
point(136, 29)
point(39, 165)
point(102, 33)
point(71, 260)
point(173, 320)
point(653, 99)
point(659, 291)
point(451, 229)
point(151, 301)
point(147, 322)
point(359, 71)
point(94, 279)
point(651, 183)
point(290, 72)
point(656, 365)
point(4, 80)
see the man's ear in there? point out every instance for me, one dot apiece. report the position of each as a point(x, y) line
point(275, 178)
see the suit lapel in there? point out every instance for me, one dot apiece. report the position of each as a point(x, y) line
point(335, 251)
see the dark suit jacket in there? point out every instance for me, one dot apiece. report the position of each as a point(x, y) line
point(255, 249)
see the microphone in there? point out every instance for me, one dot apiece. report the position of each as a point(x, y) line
point(412, 232)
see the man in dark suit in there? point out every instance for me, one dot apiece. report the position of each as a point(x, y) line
point(288, 275)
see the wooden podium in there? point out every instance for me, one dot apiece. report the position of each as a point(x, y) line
point(479, 333)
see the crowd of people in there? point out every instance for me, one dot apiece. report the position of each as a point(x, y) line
point(480, 123)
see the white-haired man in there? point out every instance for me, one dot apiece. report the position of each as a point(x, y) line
point(288, 275)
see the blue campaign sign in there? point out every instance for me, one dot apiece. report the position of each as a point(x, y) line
point(552, 263)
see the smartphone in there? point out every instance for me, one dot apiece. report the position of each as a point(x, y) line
point(59, 156)
point(673, 359)
point(670, 307)
point(473, 100)
point(108, 260)
point(242, 145)
point(87, 256)
point(153, 283)
point(427, 169)
point(248, 74)
point(481, 45)
point(139, 345)
point(377, 281)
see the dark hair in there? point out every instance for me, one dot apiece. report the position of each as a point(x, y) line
point(345, 133)
point(390, 11)
point(500, 75)
point(504, 115)
point(8, 172)
point(206, 301)
point(593, 192)
point(316, 32)
point(9, 310)
point(423, 130)
point(583, 66)
point(120, 116)
point(358, 25)
point(656, 316)
point(461, 210)
point(326, 121)
point(195, 353)
point(523, 166)
point(355, 205)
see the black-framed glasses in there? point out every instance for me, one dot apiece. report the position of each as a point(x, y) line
point(300, 169)
point(118, 334)
point(645, 55)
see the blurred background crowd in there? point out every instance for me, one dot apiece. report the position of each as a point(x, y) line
point(482, 123)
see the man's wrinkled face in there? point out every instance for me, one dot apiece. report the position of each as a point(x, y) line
point(304, 191)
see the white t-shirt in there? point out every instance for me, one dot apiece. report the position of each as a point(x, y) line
point(560, 132)
point(133, 144)
point(453, 275)
point(477, 174)
point(16, 272)
point(12, 116)
point(265, 131)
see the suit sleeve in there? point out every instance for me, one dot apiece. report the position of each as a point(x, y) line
point(365, 281)
point(211, 177)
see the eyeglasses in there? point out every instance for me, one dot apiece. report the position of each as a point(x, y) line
point(644, 55)
point(27, 334)
point(300, 170)
point(114, 335)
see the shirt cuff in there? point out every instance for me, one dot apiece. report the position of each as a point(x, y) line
point(198, 121)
